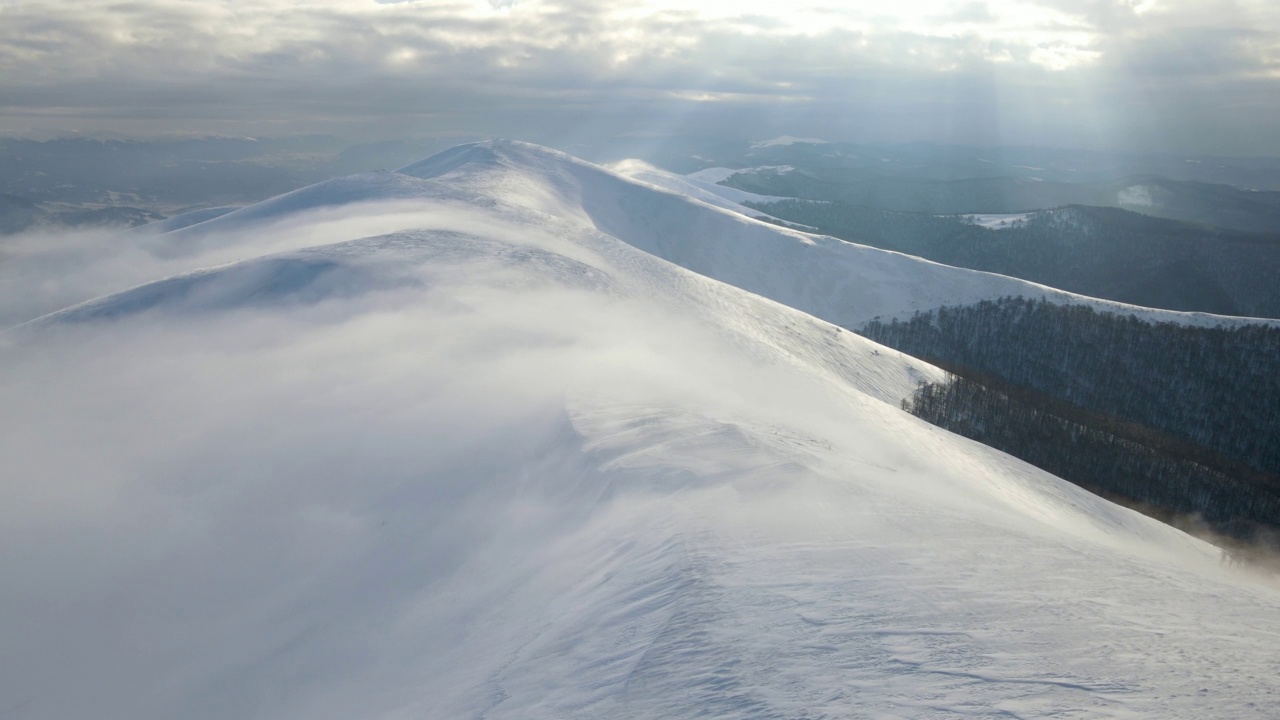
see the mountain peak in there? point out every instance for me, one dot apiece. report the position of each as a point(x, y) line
point(492, 153)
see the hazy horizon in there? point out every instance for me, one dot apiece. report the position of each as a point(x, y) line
point(1152, 76)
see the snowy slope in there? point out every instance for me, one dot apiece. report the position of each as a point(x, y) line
point(477, 450)
point(715, 175)
point(1000, 221)
point(721, 196)
point(186, 219)
point(838, 281)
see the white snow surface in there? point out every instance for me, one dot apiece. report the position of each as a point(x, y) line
point(999, 221)
point(714, 175)
point(712, 193)
point(467, 441)
point(187, 219)
point(717, 175)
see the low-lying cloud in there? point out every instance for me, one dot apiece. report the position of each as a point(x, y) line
point(293, 510)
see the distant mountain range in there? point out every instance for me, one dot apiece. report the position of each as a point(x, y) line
point(853, 161)
point(1096, 251)
point(1195, 202)
point(171, 176)
point(80, 182)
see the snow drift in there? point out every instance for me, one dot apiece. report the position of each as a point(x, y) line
point(507, 435)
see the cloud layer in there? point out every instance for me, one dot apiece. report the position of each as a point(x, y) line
point(1198, 76)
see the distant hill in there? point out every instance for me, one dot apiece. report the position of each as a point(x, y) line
point(1197, 202)
point(927, 161)
point(1096, 251)
point(17, 213)
point(1200, 202)
point(170, 172)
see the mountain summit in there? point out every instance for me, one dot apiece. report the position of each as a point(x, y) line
point(505, 434)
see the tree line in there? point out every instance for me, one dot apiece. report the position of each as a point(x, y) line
point(1184, 419)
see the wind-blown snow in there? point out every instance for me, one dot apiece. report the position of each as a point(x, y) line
point(484, 448)
point(714, 175)
point(712, 193)
point(186, 219)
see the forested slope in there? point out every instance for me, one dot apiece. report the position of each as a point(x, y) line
point(1183, 418)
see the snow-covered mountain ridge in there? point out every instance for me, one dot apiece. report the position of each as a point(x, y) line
point(507, 435)
point(840, 282)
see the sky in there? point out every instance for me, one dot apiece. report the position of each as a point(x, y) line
point(1197, 76)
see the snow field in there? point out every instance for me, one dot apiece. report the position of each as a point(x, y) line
point(522, 438)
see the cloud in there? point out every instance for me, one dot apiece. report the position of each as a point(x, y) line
point(359, 504)
point(215, 511)
point(624, 66)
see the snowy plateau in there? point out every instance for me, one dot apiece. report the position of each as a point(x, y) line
point(508, 435)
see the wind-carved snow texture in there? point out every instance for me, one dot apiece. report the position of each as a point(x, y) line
point(506, 444)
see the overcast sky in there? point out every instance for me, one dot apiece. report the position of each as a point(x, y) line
point(1186, 76)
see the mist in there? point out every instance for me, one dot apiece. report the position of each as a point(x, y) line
point(456, 445)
